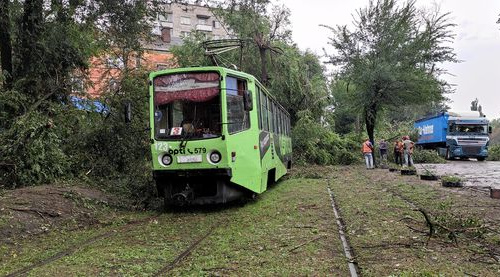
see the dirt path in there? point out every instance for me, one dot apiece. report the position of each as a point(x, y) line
point(477, 174)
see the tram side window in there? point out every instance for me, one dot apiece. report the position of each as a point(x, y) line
point(259, 105)
point(276, 112)
point(271, 116)
point(263, 111)
point(283, 129)
point(238, 119)
point(280, 129)
point(289, 127)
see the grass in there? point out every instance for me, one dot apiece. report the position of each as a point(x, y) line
point(385, 244)
point(451, 179)
point(289, 230)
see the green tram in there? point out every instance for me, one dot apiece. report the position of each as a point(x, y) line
point(216, 135)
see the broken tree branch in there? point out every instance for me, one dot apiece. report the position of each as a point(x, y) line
point(304, 243)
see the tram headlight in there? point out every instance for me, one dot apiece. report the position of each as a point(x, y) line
point(166, 159)
point(215, 157)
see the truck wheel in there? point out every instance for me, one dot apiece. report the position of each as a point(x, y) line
point(481, 159)
point(448, 155)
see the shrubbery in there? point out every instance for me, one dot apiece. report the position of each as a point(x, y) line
point(494, 153)
point(31, 151)
point(423, 156)
point(64, 143)
point(116, 154)
point(313, 143)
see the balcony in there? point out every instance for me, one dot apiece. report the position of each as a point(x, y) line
point(166, 24)
point(204, 28)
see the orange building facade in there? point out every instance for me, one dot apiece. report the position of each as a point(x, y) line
point(171, 26)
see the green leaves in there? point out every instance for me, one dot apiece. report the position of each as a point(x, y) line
point(391, 56)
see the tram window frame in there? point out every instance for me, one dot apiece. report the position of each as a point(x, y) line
point(264, 111)
point(286, 124)
point(287, 127)
point(259, 105)
point(271, 116)
point(235, 96)
point(276, 125)
point(283, 116)
point(280, 122)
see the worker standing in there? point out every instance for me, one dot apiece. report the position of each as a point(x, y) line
point(382, 145)
point(398, 156)
point(408, 150)
point(367, 149)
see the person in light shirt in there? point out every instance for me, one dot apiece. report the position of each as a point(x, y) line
point(408, 150)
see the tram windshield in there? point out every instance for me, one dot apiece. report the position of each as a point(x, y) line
point(187, 106)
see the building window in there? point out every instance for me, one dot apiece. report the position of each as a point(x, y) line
point(167, 17)
point(161, 66)
point(138, 59)
point(166, 35)
point(113, 85)
point(203, 20)
point(114, 63)
point(185, 20)
point(77, 85)
point(216, 24)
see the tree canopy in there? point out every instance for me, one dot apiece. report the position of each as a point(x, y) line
point(295, 77)
point(391, 57)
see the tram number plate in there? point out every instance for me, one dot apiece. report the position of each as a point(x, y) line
point(189, 159)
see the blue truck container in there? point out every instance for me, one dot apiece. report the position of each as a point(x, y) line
point(455, 135)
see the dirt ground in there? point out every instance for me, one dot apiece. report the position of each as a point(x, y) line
point(36, 210)
point(475, 174)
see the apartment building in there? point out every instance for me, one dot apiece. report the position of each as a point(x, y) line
point(175, 22)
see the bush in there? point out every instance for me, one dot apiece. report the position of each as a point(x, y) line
point(31, 149)
point(313, 143)
point(116, 154)
point(494, 153)
point(423, 156)
point(57, 141)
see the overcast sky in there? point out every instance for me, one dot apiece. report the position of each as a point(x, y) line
point(477, 42)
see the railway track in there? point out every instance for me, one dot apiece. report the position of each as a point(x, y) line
point(348, 251)
point(185, 253)
point(69, 251)
point(75, 248)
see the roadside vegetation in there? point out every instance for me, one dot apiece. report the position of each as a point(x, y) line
point(494, 153)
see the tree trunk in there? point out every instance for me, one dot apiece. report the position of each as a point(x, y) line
point(263, 65)
point(5, 42)
point(29, 35)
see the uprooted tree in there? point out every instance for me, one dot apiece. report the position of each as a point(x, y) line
point(45, 48)
point(391, 57)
